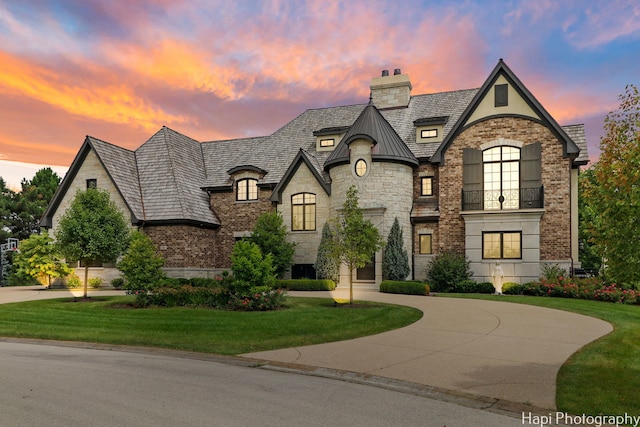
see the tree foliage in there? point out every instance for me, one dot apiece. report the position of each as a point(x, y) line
point(270, 234)
point(38, 257)
point(355, 239)
point(141, 264)
point(92, 229)
point(326, 265)
point(613, 195)
point(395, 261)
point(250, 268)
point(589, 259)
point(20, 212)
point(446, 270)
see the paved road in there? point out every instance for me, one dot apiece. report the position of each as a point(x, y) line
point(68, 386)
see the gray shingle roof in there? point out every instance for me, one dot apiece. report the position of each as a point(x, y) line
point(576, 133)
point(121, 166)
point(220, 156)
point(171, 171)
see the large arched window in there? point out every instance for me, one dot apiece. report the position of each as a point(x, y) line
point(303, 212)
point(247, 189)
point(501, 167)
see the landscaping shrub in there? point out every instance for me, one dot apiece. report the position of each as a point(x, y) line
point(511, 288)
point(141, 264)
point(257, 300)
point(250, 268)
point(73, 281)
point(307, 284)
point(326, 265)
point(395, 261)
point(95, 282)
point(445, 270)
point(117, 283)
point(553, 272)
point(472, 287)
point(404, 287)
point(201, 282)
point(589, 289)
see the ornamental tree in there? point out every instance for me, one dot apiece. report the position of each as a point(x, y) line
point(613, 195)
point(355, 240)
point(395, 261)
point(250, 268)
point(141, 264)
point(326, 265)
point(270, 234)
point(92, 229)
point(39, 258)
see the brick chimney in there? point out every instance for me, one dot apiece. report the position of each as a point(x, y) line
point(391, 91)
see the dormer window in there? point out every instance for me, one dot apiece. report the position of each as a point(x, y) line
point(327, 142)
point(328, 138)
point(247, 189)
point(430, 129)
point(429, 133)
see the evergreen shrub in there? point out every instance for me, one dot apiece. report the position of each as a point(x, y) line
point(307, 284)
point(408, 287)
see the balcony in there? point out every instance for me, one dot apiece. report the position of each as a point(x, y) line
point(523, 198)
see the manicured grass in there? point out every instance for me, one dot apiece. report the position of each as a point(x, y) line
point(604, 376)
point(303, 321)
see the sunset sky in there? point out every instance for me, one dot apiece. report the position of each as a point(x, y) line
point(120, 70)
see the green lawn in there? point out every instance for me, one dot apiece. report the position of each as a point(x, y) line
point(303, 321)
point(604, 376)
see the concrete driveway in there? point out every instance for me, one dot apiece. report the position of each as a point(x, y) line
point(504, 351)
point(499, 350)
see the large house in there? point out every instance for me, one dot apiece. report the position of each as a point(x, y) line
point(483, 172)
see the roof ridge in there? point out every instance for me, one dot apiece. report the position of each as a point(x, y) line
point(173, 169)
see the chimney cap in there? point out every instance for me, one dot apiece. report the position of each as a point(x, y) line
point(385, 73)
point(397, 72)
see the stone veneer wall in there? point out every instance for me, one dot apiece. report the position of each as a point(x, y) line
point(91, 168)
point(385, 192)
point(237, 219)
point(555, 224)
point(307, 242)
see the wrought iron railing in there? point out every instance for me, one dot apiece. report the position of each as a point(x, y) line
point(523, 198)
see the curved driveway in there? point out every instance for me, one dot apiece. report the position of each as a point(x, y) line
point(499, 350)
point(503, 351)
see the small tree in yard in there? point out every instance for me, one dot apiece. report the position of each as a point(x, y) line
point(39, 258)
point(395, 261)
point(326, 265)
point(141, 264)
point(92, 229)
point(270, 234)
point(250, 268)
point(355, 240)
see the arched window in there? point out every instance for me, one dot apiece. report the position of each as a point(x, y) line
point(501, 167)
point(303, 212)
point(247, 189)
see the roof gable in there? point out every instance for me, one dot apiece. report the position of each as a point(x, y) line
point(301, 158)
point(372, 126)
point(525, 104)
point(120, 165)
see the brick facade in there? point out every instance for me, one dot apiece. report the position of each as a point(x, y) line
point(237, 218)
point(184, 246)
point(555, 230)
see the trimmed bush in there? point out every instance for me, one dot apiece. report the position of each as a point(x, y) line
point(446, 270)
point(473, 287)
point(395, 261)
point(404, 287)
point(95, 282)
point(307, 284)
point(73, 281)
point(117, 283)
point(511, 288)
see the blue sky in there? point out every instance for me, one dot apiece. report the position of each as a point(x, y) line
point(119, 70)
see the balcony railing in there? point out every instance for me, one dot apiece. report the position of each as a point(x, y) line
point(523, 198)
